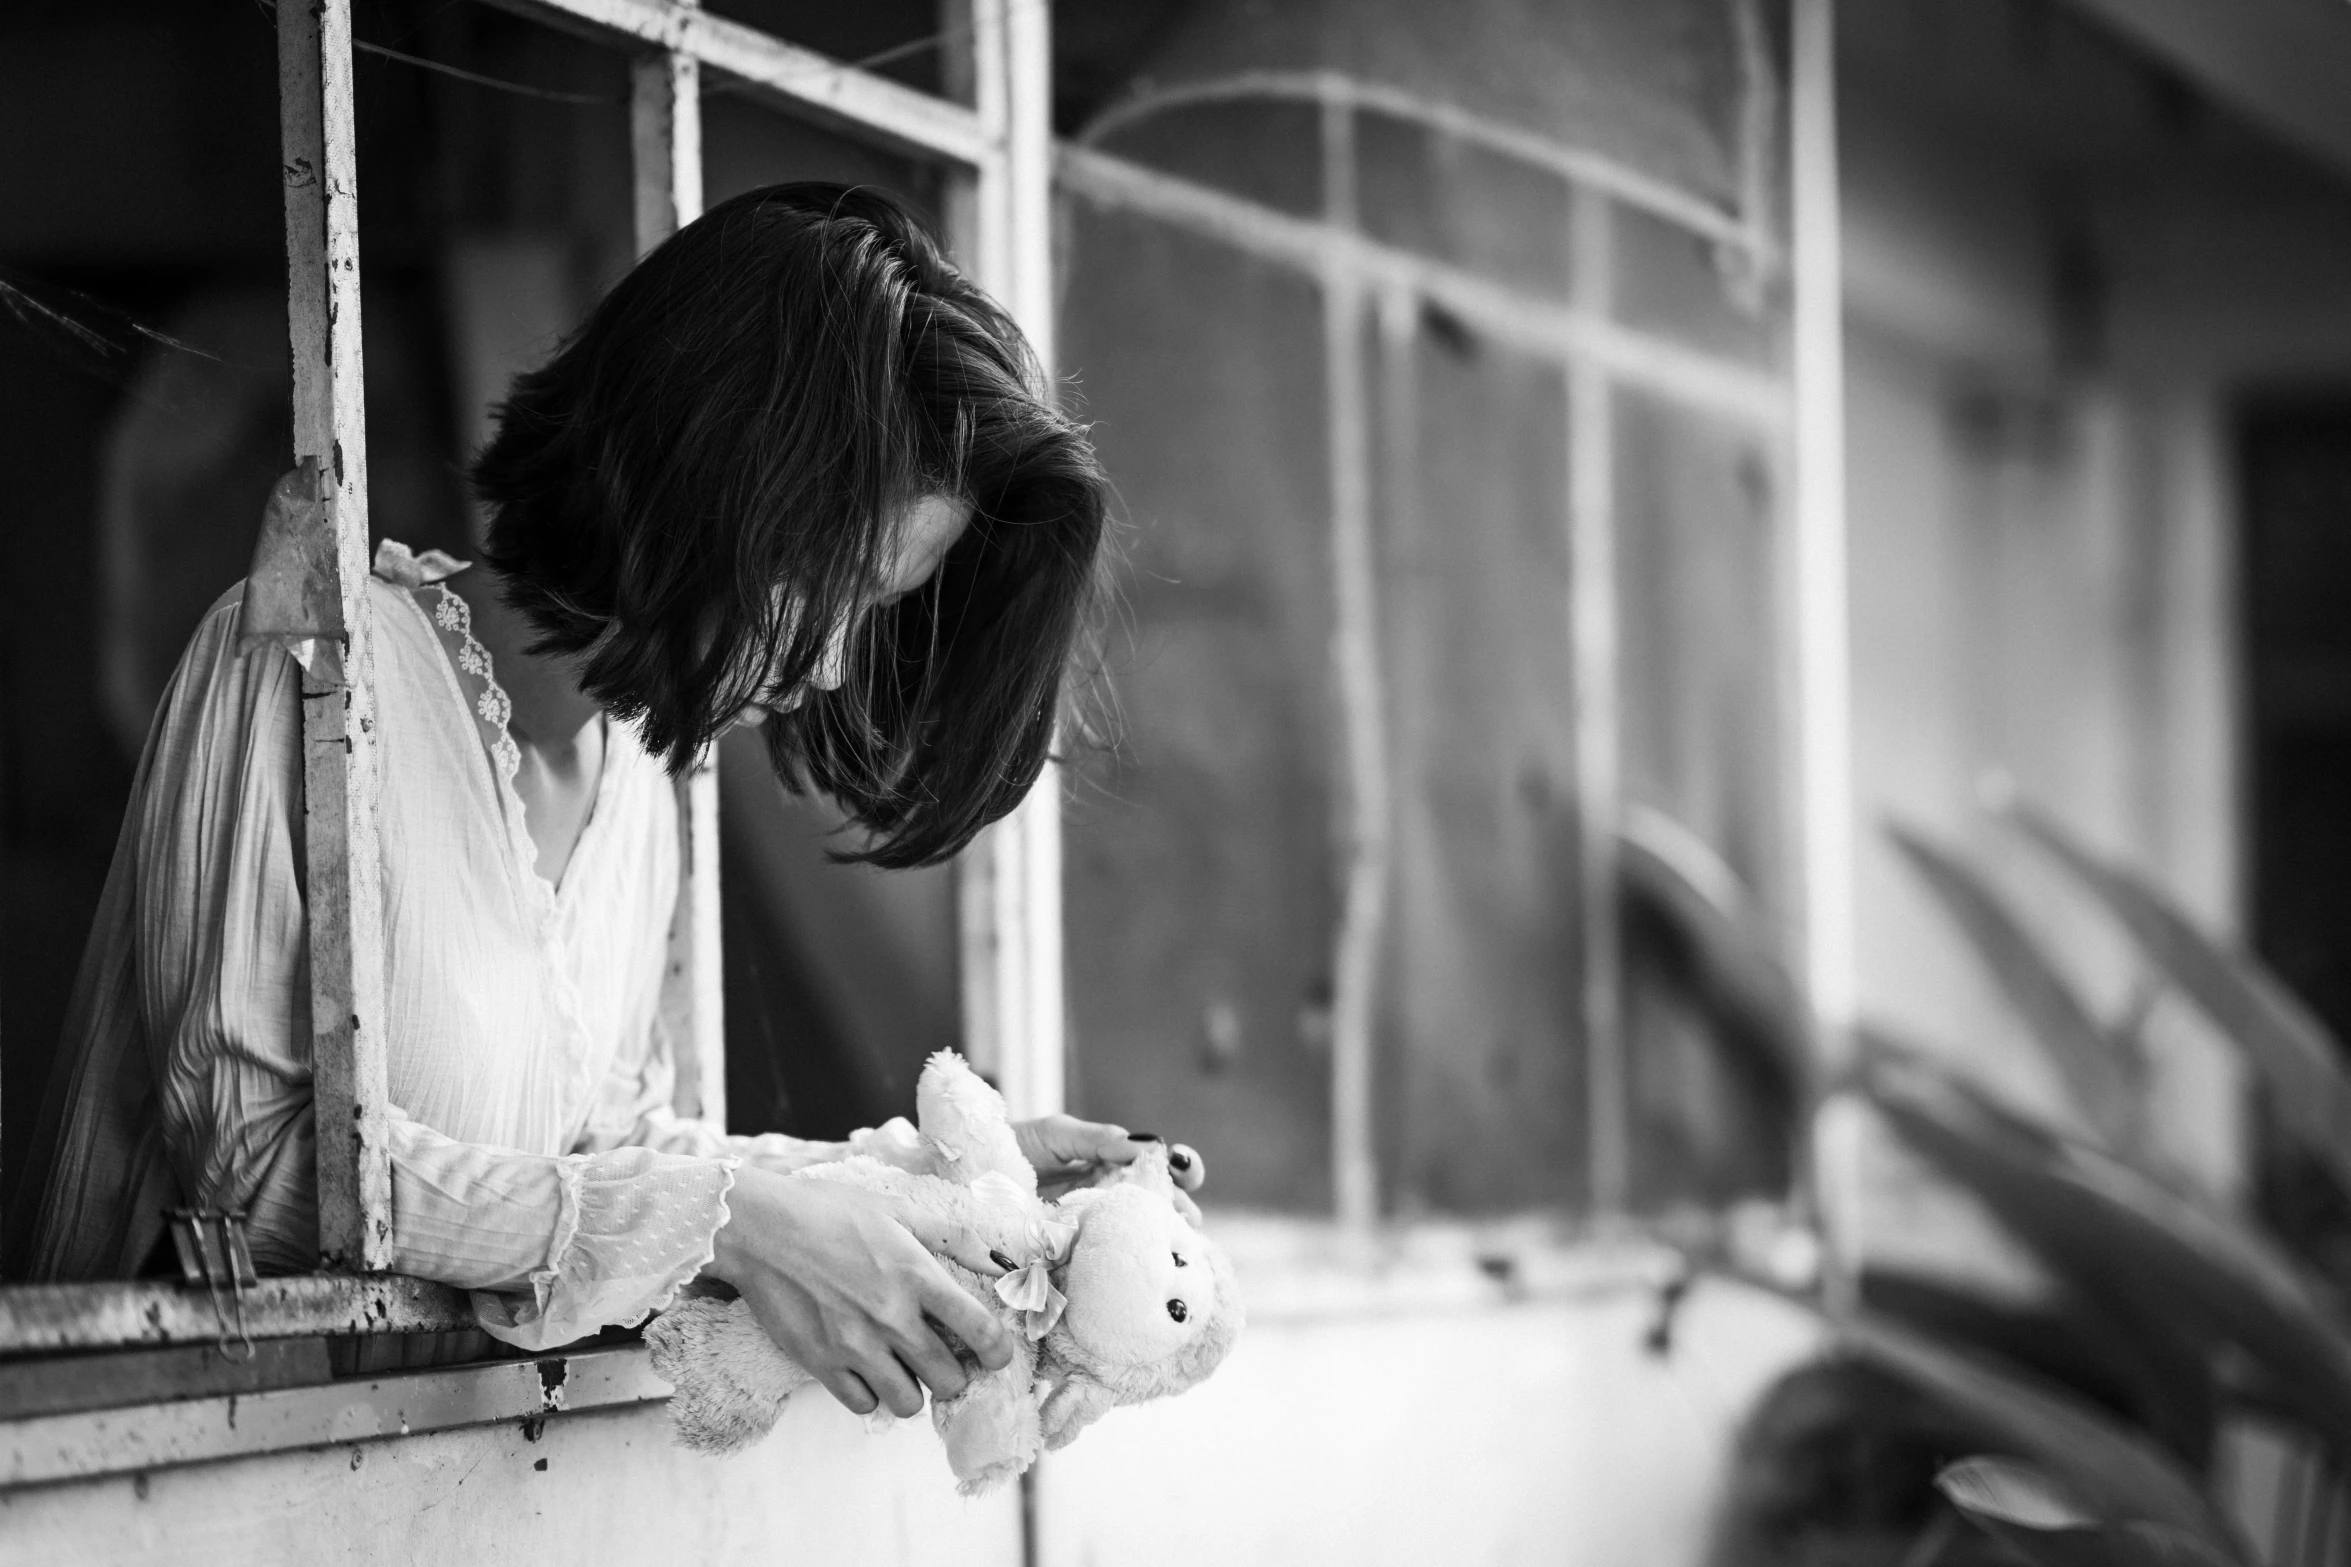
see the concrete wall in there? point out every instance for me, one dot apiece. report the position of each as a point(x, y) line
point(1390, 1425)
point(592, 1487)
point(1539, 1433)
point(2058, 280)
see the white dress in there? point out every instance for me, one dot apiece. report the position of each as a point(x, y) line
point(535, 1156)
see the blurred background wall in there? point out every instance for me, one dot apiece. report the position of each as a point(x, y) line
point(1466, 288)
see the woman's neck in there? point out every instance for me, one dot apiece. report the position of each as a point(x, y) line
point(551, 713)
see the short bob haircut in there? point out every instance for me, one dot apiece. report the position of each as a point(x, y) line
point(697, 489)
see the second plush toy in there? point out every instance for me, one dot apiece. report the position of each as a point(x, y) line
point(1117, 1298)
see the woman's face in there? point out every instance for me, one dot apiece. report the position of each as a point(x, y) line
point(921, 535)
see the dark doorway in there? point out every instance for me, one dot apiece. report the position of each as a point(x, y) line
point(2294, 469)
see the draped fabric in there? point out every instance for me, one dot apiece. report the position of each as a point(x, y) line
point(535, 1155)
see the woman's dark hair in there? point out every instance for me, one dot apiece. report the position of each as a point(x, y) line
point(697, 489)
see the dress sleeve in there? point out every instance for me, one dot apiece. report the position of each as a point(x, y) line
point(634, 1108)
point(556, 1247)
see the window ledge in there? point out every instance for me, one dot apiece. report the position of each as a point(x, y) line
point(1303, 1270)
point(49, 1318)
point(45, 1449)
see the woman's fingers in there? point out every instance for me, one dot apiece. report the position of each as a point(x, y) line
point(850, 1390)
point(1059, 1144)
point(954, 1310)
point(948, 1239)
point(947, 1303)
point(921, 1352)
point(891, 1382)
point(1069, 1152)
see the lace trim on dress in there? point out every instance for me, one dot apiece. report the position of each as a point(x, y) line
point(567, 1228)
point(495, 710)
point(709, 1253)
point(452, 618)
point(634, 1229)
point(455, 616)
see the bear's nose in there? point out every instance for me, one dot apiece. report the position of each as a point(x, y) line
point(1178, 1310)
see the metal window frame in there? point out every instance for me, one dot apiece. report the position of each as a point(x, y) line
point(1011, 907)
point(998, 153)
point(1001, 151)
point(1359, 278)
point(1005, 168)
point(1821, 654)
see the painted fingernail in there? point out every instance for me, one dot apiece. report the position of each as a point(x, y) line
point(1144, 1137)
point(1179, 1161)
point(1001, 1261)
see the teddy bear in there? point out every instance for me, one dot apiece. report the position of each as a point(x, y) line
point(1116, 1297)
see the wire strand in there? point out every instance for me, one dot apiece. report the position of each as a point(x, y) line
point(895, 52)
point(35, 315)
point(476, 78)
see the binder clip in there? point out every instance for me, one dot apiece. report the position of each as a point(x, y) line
point(213, 1253)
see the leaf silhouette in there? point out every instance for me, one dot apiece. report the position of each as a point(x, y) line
point(2296, 1059)
point(2113, 1234)
point(2028, 1511)
point(2113, 1471)
point(2102, 1072)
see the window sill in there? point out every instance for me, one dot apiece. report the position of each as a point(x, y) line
point(1305, 1270)
point(45, 1449)
point(39, 1319)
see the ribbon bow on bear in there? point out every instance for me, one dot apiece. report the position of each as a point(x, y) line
point(1029, 1289)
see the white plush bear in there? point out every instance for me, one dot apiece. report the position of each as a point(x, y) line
point(1116, 1298)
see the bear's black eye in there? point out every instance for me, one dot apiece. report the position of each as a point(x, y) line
point(1179, 1257)
point(1178, 1310)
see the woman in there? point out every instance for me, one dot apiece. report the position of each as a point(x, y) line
point(792, 469)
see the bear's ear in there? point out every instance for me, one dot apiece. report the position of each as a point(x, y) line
point(966, 1121)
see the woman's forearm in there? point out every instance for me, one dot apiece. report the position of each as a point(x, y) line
point(558, 1247)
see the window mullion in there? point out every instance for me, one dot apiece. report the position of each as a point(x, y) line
point(665, 150)
point(1592, 619)
point(665, 144)
point(1010, 901)
point(339, 731)
point(1365, 837)
point(1822, 612)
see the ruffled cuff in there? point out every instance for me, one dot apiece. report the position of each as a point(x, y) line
point(633, 1227)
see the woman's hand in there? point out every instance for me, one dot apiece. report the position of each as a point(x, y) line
point(1069, 1153)
point(844, 1282)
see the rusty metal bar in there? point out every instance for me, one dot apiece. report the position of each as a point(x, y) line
point(1576, 165)
point(1364, 832)
point(1009, 894)
point(49, 1448)
point(1592, 622)
point(338, 695)
point(1823, 614)
point(1690, 377)
point(39, 1319)
point(1827, 828)
point(665, 149)
point(665, 144)
point(784, 75)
